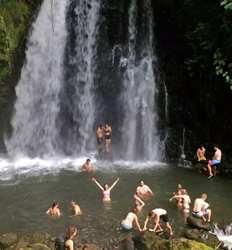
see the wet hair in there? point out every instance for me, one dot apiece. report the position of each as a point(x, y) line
point(71, 231)
point(88, 159)
point(104, 186)
point(215, 146)
point(150, 213)
point(54, 204)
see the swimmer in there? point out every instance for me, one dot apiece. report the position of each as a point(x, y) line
point(201, 208)
point(179, 191)
point(186, 201)
point(139, 204)
point(70, 235)
point(106, 189)
point(143, 191)
point(75, 208)
point(214, 162)
point(87, 166)
point(131, 220)
point(156, 215)
point(54, 210)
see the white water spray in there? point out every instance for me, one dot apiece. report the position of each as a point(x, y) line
point(37, 105)
point(139, 127)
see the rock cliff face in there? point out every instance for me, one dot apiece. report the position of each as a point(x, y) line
point(15, 19)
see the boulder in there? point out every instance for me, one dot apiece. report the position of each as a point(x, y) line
point(7, 240)
point(150, 241)
point(202, 236)
point(197, 223)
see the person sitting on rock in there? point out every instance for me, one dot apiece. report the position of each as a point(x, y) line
point(54, 210)
point(131, 220)
point(75, 208)
point(214, 162)
point(156, 215)
point(186, 201)
point(201, 208)
point(201, 154)
point(70, 235)
point(143, 191)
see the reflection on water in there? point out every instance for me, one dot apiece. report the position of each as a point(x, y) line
point(24, 203)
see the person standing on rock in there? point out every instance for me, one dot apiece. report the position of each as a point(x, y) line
point(156, 215)
point(201, 208)
point(100, 138)
point(108, 138)
point(71, 234)
point(131, 220)
point(214, 162)
point(54, 210)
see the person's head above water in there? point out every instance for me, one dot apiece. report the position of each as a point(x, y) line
point(55, 204)
point(179, 186)
point(204, 196)
point(106, 186)
point(216, 147)
point(88, 160)
point(141, 183)
point(72, 203)
point(71, 232)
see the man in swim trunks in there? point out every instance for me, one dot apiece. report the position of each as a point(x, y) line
point(156, 215)
point(100, 137)
point(143, 191)
point(87, 166)
point(214, 162)
point(201, 208)
point(130, 221)
point(108, 135)
point(201, 154)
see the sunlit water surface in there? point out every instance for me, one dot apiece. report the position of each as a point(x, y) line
point(28, 187)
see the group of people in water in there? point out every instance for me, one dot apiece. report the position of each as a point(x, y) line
point(143, 192)
point(104, 138)
point(212, 165)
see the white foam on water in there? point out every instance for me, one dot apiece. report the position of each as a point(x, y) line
point(13, 168)
point(224, 236)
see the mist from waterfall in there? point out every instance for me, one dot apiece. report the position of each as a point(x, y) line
point(139, 127)
point(37, 105)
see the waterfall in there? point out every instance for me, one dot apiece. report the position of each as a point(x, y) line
point(78, 100)
point(139, 130)
point(37, 105)
point(166, 102)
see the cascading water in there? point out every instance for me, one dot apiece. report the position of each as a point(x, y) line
point(37, 105)
point(78, 101)
point(139, 127)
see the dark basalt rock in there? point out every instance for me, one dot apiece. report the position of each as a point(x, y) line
point(197, 223)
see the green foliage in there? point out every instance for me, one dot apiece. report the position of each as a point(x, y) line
point(227, 4)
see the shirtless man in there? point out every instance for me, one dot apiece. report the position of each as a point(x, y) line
point(131, 220)
point(201, 208)
point(54, 210)
point(156, 215)
point(87, 166)
point(143, 191)
point(213, 163)
point(108, 139)
point(201, 154)
point(186, 201)
point(100, 137)
point(75, 208)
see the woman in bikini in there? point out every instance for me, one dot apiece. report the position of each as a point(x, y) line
point(54, 210)
point(106, 189)
point(108, 140)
